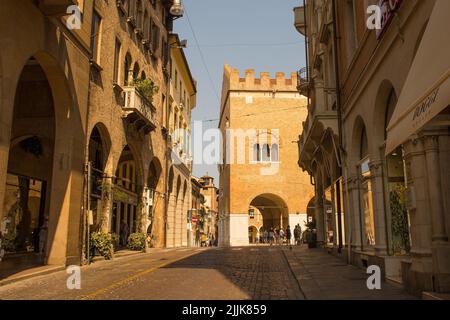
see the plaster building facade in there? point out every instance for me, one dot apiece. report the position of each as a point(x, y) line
point(261, 119)
point(182, 100)
point(196, 214)
point(380, 175)
point(44, 84)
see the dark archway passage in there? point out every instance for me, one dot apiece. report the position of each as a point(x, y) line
point(273, 210)
point(30, 168)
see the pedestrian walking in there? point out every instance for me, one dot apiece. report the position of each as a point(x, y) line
point(296, 235)
point(124, 230)
point(271, 236)
point(281, 236)
point(265, 237)
point(288, 235)
point(204, 240)
point(299, 239)
point(197, 238)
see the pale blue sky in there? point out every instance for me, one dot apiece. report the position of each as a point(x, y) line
point(247, 34)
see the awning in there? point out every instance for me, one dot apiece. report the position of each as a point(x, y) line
point(427, 89)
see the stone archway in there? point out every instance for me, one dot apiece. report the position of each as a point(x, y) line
point(125, 218)
point(154, 222)
point(273, 209)
point(45, 157)
point(253, 235)
point(100, 196)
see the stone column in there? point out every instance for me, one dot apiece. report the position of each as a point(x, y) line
point(107, 201)
point(5, 138)
point(319, 215)
point(281, 220)
point(355, 212)
point(376, 178)
point(184, 226)
point(420, 220)
point(170, 221)
point(345, 212)
point(334, 215)
point(4, 153)
point(440, 245)
point(433, 168)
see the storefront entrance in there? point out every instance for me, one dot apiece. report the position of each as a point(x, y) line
point(24, 223)
point(125, 217)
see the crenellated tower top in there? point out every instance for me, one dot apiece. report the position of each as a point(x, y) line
point(264, 82)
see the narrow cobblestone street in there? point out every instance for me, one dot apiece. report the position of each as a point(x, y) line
point(217, 274)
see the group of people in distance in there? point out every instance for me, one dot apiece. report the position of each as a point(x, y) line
point(279, 236)
point(204, 240)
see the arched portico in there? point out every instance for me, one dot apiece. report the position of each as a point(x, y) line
point(42, 141)
point(273, 209)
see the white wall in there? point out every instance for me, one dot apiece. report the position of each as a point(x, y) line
point(239, 229)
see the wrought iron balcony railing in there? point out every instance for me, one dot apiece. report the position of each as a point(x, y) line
point(303, 83)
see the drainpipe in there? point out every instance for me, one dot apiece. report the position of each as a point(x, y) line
point(342, 151)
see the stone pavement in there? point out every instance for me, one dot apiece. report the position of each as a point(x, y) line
point(323, 276)
point(179, 274)
point(257, 273)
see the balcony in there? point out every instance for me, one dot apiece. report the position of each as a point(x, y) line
point(299, 20)
point(303, 83)
point(139, 111)
point(56, 7)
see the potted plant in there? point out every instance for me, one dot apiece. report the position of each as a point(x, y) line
point(102, 243)
point(136, 241)
point(146, 88)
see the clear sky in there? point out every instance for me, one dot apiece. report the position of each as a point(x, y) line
point(247, 34)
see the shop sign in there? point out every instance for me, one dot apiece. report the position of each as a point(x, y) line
point(388, 9)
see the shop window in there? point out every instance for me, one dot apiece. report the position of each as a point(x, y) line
point(366, 193)
point(367, 203)
point(24, 226)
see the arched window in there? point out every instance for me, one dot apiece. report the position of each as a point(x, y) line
point(265, 153)
point(274, 153)
point(364, 150)
point(146, 28)
point(131, 5)
point(127, 68)
point(390, 106)
point(256, 153)
point(143, 75)
point(136, 71)
point(175, 125)
point(131, 8)
point(138, 13)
